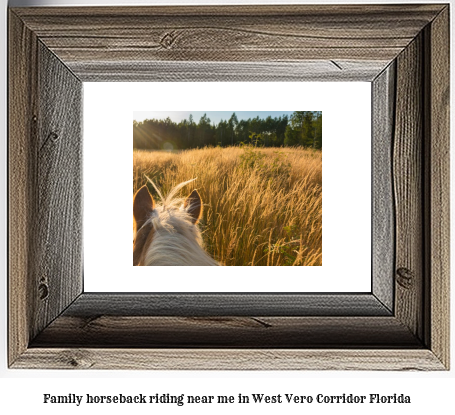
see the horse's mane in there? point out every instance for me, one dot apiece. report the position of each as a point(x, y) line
point(176, 240)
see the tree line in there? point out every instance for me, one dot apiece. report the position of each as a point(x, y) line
point(302, 128)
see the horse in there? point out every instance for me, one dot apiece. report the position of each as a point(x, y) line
point(168, 234)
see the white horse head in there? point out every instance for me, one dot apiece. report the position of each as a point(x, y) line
point(168, 234)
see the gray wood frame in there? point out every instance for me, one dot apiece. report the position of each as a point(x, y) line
point(403, 324)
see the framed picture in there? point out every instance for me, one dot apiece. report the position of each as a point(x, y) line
point(402, 323)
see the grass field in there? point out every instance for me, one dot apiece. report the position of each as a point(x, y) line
point(261, 206)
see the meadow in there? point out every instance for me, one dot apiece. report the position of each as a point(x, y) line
point(262, 206)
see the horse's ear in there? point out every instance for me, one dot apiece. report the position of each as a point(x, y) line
point(143, 204)
point(193, 205)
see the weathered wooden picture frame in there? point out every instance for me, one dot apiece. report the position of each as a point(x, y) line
point(402, 324)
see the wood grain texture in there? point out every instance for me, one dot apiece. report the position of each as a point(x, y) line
point(212, 305)
point(408, 187)
point(45, 183)
point(309, 71)
point(256, 332)
point(229, 359)
point(439, 191)
point(57, 224)
point(22, 95)
point(383, 215)
point(108, 37)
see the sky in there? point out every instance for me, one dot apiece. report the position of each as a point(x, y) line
point(215, 116)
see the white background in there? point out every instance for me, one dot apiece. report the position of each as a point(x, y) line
point(346, 185)
point(22, 391)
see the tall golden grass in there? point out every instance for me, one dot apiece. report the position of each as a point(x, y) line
point(262, 206)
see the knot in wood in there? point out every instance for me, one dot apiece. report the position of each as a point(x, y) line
point(43, 291)
point(405, 278)
point(76, 359)
point(168, 40)
point(53, 136)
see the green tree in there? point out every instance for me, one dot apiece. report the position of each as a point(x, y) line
point(204, 129)
point(306, 129)
point(291, 136)
point(307, 139)
point(317, 142)
point(302, 128)
point(233, 122)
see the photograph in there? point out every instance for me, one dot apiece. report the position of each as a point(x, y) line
point(241, 188)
